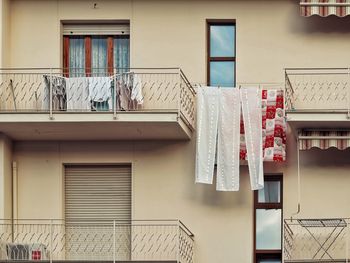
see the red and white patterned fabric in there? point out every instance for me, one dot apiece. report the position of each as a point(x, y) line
point(325, 8)
point(273, 128)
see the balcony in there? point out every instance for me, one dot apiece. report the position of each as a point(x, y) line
point(317, 98)
point(316, 240)
point(35, 105)
point(131, 241)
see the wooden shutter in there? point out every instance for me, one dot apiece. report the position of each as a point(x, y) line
point(96, 194)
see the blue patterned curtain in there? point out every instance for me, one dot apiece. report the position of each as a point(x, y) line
point(99, 56)
point(77, 56)
point(122, 54)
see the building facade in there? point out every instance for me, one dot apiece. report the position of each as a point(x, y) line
point(53, 157)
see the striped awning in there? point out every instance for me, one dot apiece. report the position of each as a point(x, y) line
point(325, 7)
point(324, 140)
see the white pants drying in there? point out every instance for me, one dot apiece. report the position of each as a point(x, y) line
point(228, 140)
point(207, 124)
point(252, 117)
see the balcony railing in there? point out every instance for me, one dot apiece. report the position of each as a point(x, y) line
point(52, 91)
point(316, 240)
point(53, 240)
point(317, 89)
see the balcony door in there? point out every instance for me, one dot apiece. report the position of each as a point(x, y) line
point(95, 50)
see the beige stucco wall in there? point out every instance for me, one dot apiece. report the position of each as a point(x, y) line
point(163, 187)
point(4, 33)
point(270, 36)
point(5, 177)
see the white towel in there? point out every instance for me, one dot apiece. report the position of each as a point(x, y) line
point(228, 140)
point(251, 108)
point(78, 93)
point(207, 122)
point(100, 90)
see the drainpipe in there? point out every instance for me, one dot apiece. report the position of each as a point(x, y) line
point(14, 197)
point(298, 179)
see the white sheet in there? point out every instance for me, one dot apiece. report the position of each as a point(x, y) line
point(251, 108)
point(207, 122)
point(228, 140)
point(78, 94)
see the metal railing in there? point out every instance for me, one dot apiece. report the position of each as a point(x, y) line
point(54, 91)
point(317, 89)
point(316, 240)
point(136, 240)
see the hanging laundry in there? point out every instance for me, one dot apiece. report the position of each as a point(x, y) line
point(252, 117)
point(207, 125)
point(59, 93)
point(100, 93)
point(273, 127)
point(78, 94)
point(228, 140)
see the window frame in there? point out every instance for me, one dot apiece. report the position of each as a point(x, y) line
point(221, 22)
point(88, 48)
point(268, 253)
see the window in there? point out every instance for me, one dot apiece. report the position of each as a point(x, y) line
point(221, 53)
point(95, 49)
point(268, 221)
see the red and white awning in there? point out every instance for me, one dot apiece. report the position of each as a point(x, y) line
point(324, 140)
point(325, 8)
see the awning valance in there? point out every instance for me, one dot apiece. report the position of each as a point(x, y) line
point(324, 139)
point(325, 7)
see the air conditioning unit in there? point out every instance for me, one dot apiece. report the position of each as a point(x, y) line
point(31, 252)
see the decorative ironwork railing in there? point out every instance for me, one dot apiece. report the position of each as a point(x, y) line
point(137, 89)
point(166, 240)
point(317, 89)
point(316, 240)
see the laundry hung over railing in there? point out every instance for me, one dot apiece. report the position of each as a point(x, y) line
point(256, 134)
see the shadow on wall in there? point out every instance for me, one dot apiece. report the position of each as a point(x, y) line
point(329, 158)
point(207, 194)
point(317, 24)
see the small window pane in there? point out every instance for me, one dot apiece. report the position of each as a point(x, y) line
point(122, 54)
point(99, 56)
point(222, 74)
point(268, 228)
point(271, 193)
point(222, 41)
point(77, 56)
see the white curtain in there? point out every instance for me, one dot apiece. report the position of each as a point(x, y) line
point(252, 117)
point(77, 57)
point(207, 124)
point(228, 140)
point(122, 54)
point(99, 56)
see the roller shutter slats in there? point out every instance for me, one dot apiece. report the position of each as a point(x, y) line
point(96, 194)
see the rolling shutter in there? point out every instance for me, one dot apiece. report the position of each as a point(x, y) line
point(96, 194)
point(96, 29)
